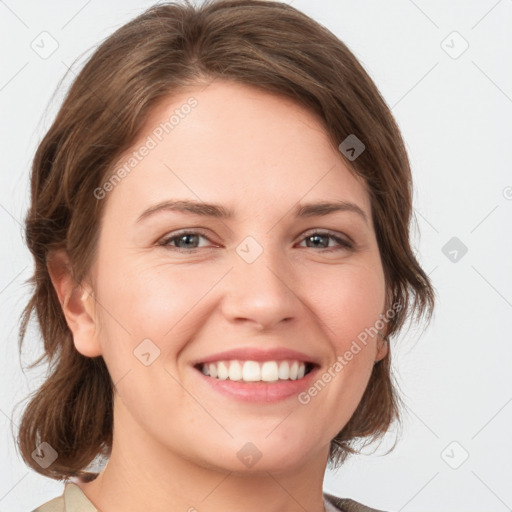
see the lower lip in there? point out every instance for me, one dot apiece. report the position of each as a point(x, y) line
point(260, 391)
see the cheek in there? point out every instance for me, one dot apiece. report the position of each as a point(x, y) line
point(351, 304)
point(349, 301)
point(162, 303)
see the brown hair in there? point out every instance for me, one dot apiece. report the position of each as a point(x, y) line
point(264, 44)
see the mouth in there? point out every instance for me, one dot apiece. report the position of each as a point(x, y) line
point(257, 375)
point(257, 382)
point(254, 372)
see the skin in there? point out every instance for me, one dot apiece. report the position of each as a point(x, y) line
point(175, 441)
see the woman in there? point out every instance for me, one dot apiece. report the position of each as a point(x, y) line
point(220, 225)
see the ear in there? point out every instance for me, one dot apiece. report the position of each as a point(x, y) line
point(77, 302)
point(382, 347)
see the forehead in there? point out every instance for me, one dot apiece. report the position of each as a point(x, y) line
point(232, 143)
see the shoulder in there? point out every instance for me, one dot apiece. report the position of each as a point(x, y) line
point(346, 505)
point(55, 505)
point(72, 500)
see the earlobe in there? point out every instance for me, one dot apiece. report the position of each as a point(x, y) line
point(77, 303)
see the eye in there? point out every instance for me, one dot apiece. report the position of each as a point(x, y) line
point(320, 239)
point(186, 241)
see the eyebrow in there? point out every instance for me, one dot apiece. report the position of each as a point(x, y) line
point(220, 212)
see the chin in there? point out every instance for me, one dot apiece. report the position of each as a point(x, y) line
point(259, 457)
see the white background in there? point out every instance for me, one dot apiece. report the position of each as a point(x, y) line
point(456, 117)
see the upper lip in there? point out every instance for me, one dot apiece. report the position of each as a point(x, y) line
point(258, 354)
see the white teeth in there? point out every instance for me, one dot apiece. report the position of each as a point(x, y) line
point(284, 370)
point(269, 371)
point(235, 371)
point(253, 371)
point(294, 368)
point(222, 371)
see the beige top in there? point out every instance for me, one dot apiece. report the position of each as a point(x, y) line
point(73, 499)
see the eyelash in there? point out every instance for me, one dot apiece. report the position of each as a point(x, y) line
point(345, 244)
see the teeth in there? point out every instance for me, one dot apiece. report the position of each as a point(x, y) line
point(294, 368)
point(284, 370)
point(253, 371)
point(222, 371)
point(269, 371)
point(212, 370)
point(235, 371)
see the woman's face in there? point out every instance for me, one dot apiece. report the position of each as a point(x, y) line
point(265, 282)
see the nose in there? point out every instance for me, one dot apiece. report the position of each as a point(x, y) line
point(261, 292)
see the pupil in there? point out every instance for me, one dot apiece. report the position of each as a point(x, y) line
point(185, 238)
point(316, 238)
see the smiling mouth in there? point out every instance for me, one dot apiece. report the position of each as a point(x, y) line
point(256, 371)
